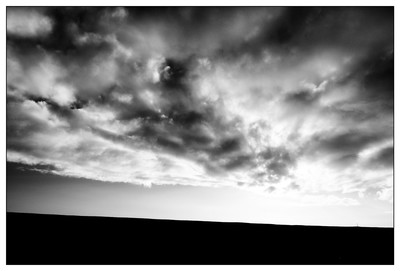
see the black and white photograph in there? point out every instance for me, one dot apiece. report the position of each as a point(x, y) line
point(199, 135)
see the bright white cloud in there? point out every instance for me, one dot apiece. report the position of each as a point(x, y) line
point(28, 23)
point(386, 194)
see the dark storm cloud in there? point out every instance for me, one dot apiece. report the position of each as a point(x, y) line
point(201, 96)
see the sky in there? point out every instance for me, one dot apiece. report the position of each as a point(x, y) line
point(268, 114)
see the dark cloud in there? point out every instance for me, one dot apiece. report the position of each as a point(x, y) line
point(228, 145)
point(173, 74)
point(345, 143)
point(277, 162)
point(239, 161)
point(302, 98)
point(196, 137)
point(292, 23)
point(345, 160)
point(308, 28)
point(79, 104)
point(170, 143)
point(384, 158)
point(186, 119)
point(378, 79)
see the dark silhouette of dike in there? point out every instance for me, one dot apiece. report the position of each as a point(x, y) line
point(58, 239)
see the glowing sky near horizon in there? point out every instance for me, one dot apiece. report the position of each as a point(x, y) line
point(290, 105)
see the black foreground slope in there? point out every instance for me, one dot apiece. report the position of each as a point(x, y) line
point(56, 239)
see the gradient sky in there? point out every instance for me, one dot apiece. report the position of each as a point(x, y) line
point(273, 115)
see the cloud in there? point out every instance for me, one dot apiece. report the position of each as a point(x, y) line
point(28, 23)
point(262, 99)
point(380, 157)
point(345, 143)
point(277, 162)
point(118, 13)
point(44, 79)
point(386, 194)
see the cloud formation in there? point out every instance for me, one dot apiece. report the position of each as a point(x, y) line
point(28, 23)
point(281, 101)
